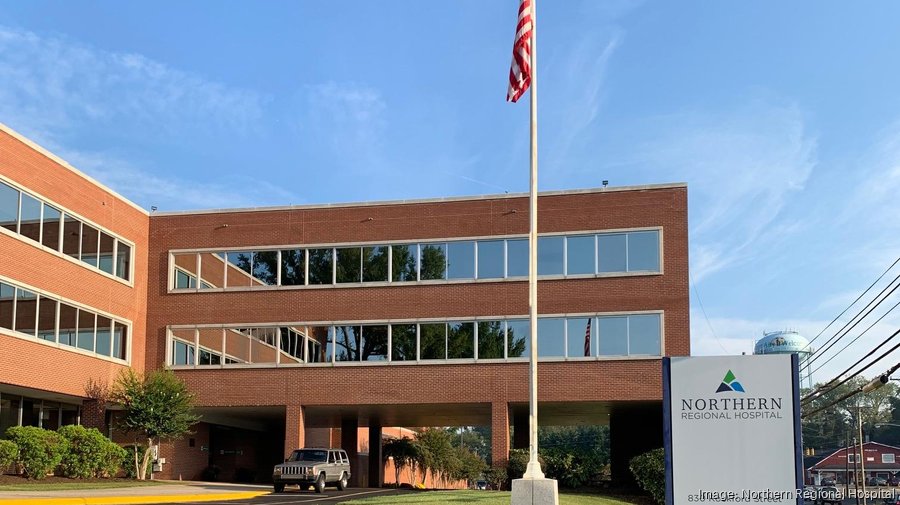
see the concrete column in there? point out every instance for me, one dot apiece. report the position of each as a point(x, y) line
point(633, 430)
point(520, 430)
point(350, 443)
point(376, 465)
point(294, 429)
point(500, 433)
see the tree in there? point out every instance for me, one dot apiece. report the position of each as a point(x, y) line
point(157, 406)
point(434, 452)
point(828, 429)
point(403, 452)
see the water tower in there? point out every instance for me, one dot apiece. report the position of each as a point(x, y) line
point(787, 342)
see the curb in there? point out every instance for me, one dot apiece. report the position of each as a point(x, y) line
point(129, 500)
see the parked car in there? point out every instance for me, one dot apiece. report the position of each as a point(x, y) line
point(481, 484)
point(827, 481)
point(316, 467)
point(828, 495)
point(877, 481)
point(894, 481)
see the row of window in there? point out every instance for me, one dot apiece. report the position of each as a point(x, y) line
point(49, 319)
point(592, 254)
point(885, 458)
point(573, 337)
point(18, 410)
point(45, 224)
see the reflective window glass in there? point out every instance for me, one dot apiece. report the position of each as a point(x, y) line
point(550, 255)
point(643, 251)
point(517, 258)
point(9, 207)
point(120, 340)
point(329, 349)
point(403, 342)
point(26, 311)
point(433, 263)
point(68, 324)
point(580, 337)
point(490, 259)
point(374, 343)
point(611, 252)
point(263, 344)
point(182, 353)
point(71, 241)
point(184, 280)
point(237, 344)
point(403, 263)
point(349, 265)
point(47, 319)
point(86, 324)
point(265, 268)
point(347, 340)
point(643, 334)
point(375, 264)
point(107, 249)
point(292, 344)
point(7, 298)
point(212, 270)
point(52, 222)
point(293, 267)
point(460, 340)
point(104, 336)
point(580, 255)
point(317, 343)
point(433, 341)
point(90, 239)
point(461, 260)
point(123, 260)
point(613, 335)
point(30, 217)
point(490, 339)
point(209, 358)
point(518, 338)
point(551, 337)
point(239, 269)
point(320, 266)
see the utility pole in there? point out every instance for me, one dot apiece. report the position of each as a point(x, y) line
point(862, 456)
point(855, 472)
point(847, 465)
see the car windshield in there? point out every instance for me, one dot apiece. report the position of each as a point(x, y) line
point(308, 455)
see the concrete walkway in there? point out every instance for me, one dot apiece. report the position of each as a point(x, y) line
point(170, 492)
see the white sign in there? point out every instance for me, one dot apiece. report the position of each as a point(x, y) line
point(732, 430)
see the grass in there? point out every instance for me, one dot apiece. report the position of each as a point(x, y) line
point(59, 485)
point(480, 498)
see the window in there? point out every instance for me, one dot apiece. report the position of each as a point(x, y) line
point(887, 458)
point(518, 338)
point(433, 263)
point(490, 259)
point(550, 255)
point(580, 338)
point(613, 334)
point(551, 337)
point(9, 207)
point(611, 253)
point(643, 251)
point(375, 264)
point(293, 267)
point(107, 251)
point(320, 266)
point(7, 299)
point(580, 255)
point(461, 260)
point(637, 334)
point(265, 268)
point(119, 340)
point(433, 341)
point(68, 324)
point(184, 280)
point(86, 325)
point(123, 260)
point(90, 241)
point(26, 311)
point(47, 319)
point(460, 340)
point(517, 258)
point(104, 336)
point(52, 223)
point(30, 217)
point(374, 343)
point(347, 343)
point(238, 269)
point(403, 342)
point(349, 264)
point(403, 263)
point(71, 241)
point(491, 336)
point(852, 458)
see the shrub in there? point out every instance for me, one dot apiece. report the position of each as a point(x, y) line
point(89, 454)
point(9, 453)
point(40, 451)
point(496, 477)
point(128, 465)
point(649, 470)
point(518, 463)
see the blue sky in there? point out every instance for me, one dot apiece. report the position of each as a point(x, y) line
point(784, 120)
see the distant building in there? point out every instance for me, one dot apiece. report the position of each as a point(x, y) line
point(880, 460)
point(787, 342)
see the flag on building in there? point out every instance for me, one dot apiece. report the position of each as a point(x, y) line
point(587, 338)
point(520, 69)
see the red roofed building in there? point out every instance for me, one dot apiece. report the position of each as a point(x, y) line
point(879, 460)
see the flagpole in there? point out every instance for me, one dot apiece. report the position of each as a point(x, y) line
point(533, 471)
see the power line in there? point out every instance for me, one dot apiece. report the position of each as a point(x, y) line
point(697, 293)
point(866, 388)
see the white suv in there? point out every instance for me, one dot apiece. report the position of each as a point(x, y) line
point(316, 467)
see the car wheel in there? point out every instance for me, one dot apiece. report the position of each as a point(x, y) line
point(320, 483)
point(279, 488)
point(342, 484)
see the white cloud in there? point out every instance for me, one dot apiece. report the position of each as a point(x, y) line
point(52, 85)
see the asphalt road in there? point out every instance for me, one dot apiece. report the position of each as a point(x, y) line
point(331, 496)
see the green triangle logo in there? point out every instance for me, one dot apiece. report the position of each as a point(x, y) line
point(730, 384)
point(728, 377)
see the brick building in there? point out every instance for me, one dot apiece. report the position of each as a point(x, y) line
point(846, 464)
point(311, 325)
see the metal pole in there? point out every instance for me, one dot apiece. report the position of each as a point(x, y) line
point(847, 466)
point(862, 455)
point(533, 471)
point(855, 473)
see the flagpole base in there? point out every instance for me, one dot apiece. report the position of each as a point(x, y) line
point(540, 491)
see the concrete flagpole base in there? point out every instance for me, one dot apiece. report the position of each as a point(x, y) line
point(534, 492)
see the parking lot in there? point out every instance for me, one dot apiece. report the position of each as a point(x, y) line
point(331, 496)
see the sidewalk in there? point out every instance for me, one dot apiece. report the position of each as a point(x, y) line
point(172, 491)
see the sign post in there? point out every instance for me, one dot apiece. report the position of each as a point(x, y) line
point(732, 430)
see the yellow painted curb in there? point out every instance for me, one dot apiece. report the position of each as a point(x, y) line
point(129, 500)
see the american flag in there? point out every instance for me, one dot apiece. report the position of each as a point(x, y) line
point(587, 339)
point(520, 69)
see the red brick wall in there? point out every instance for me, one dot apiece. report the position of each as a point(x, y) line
point(31, 364)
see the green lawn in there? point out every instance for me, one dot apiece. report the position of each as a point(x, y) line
point(64, 486)
point(479, 497)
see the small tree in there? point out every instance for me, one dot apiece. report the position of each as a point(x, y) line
point(157, 406)
point(403, 452)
